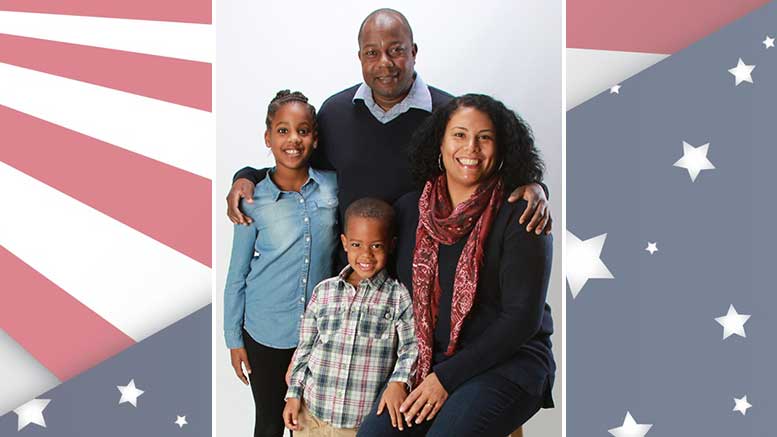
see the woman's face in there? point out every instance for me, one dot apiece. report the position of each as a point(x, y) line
point(469, 147)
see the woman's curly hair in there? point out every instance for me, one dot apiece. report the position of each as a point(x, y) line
point(521, 163)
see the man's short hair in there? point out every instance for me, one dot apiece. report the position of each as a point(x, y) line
point(380, 11)
point(370, 207)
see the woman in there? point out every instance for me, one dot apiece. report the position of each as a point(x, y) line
point(478, 280)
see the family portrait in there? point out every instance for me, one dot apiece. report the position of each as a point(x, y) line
point(387, 242)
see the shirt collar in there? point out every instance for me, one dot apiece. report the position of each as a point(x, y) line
point(375, 282)
point(314, 176)
point(418, 97)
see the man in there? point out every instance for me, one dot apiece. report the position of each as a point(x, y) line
point(375, 120)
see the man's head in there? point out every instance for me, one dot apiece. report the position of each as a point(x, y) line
point(387, 54)
point(368, 239)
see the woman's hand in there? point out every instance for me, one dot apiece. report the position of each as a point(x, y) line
point(239, 357)
point(538, 205)
point(392, 398)
point(425, 401)
point(291, 414)
point(241, 189)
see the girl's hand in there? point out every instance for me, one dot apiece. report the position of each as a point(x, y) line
point(392, 398)
point(425, 401)
point(291, 414)
point(239, 358)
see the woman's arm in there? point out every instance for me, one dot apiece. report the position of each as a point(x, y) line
point(524, 273)
point(243, 241)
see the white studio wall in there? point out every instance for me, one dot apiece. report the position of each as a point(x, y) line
point(509, 50)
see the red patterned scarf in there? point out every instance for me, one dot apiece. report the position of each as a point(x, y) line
point(439, 224)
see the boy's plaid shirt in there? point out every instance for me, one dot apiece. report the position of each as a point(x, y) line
point(353, 341)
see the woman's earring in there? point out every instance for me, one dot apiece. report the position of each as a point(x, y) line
point(439, 162)
point(315, 144)
point(500, 166)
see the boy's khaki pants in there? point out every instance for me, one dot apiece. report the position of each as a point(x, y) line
point(313, 427)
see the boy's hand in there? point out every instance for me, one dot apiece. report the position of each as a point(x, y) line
point(291, 414)
point(392, 398)
point(241, 189)
point(239, 357)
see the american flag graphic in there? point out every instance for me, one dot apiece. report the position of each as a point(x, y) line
point(106, 149)
point(670, 244)
point(609, 41)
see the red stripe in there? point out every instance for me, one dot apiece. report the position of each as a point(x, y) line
point(166, 203)
point(187, 11)
point(58, 330)
point(178, 81)
point(656, 26)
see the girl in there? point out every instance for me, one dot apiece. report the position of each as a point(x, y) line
point(279, 258)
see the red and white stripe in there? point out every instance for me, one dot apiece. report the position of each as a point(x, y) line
point(609, 41)
point(106, 158)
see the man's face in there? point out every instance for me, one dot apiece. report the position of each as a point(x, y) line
point(388, 58)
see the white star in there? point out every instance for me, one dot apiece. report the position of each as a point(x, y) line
point(733, 323)
point(768, 42)
point(615, 89)
point(742, 72)
point(180, 421)
point(630, 428)
point(741, 405)
point(694, 159)
point(652, 248)
point(583, 261)
point(32, 412)
point(129, 393)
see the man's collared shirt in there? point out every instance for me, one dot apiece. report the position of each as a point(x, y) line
point(278, 259)
point(352, 341)
point(419, 97)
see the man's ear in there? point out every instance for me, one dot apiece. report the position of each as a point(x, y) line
point(415, 49)
point(344, 241)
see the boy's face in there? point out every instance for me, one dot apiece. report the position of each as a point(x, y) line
point(291, 137)
point(368, 244)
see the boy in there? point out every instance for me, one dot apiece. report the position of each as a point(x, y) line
point(356, 334)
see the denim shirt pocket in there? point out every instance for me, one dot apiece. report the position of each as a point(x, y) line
point(376, 322)
point(326, 211)
point(277, 224)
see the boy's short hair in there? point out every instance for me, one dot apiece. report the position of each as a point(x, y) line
point(370, 207)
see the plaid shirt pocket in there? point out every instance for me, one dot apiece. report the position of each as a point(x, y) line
point(330, 322)
point(376, 322)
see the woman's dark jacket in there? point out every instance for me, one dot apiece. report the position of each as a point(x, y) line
point(508, 329)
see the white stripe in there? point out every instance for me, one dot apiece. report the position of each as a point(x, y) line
point(589, 72)
point(134, 282)
point(176, 40)
point(22, 377)
point(177, 135)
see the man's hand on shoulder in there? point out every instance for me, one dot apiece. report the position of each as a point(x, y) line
point(241, 189)
point(538, 208)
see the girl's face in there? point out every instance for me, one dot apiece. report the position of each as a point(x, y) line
point(291, 137)
point(469, 147)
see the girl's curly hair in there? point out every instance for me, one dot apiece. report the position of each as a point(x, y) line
point(521, 163)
